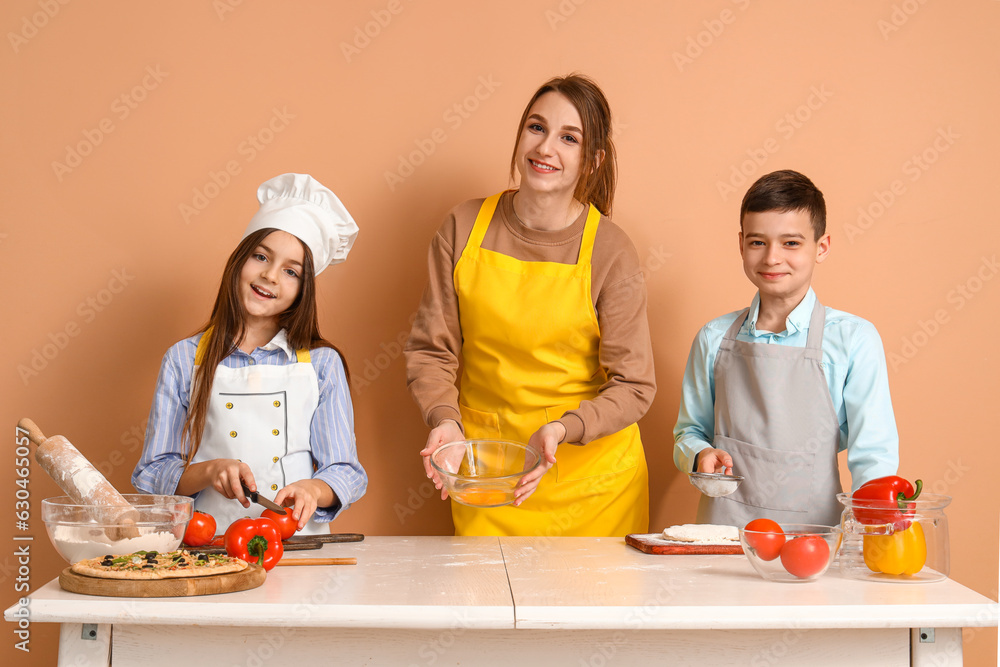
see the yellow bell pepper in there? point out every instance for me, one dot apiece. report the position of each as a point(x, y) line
point(903, 552)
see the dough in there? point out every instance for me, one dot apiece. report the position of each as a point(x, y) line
point(702, 533)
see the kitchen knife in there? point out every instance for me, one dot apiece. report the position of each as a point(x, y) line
point(261, 500)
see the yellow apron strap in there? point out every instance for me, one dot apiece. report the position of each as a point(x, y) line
point(589, 234)
point(303, 356)
point(199, 354)
point(483, 221)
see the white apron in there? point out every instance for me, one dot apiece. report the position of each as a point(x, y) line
point(259, 414)
point(774, 415)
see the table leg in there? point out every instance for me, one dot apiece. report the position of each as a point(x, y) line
point(84, 645)
point(937, 647)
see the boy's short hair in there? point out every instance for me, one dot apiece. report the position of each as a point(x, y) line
point(784, 191)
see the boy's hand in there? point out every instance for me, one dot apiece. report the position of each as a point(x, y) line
point(714, 460)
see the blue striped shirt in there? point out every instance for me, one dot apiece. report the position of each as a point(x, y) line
point(331, 432)
point(856, 375)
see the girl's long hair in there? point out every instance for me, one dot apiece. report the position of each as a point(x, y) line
point(228, 327)
point(596, 186)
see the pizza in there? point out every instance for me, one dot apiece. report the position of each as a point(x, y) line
point(156, 565)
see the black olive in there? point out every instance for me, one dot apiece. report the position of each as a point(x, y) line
point(106, 563)
point(151, 554)
point(148, 566)
point(108, 557)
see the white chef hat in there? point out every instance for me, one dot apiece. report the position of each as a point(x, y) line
point(303, 207)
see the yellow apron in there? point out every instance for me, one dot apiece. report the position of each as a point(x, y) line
point(530, 354)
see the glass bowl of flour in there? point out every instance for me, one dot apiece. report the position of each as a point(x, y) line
point(78, 534)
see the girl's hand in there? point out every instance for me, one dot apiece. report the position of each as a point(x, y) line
point(225, 475)
point(304, 496)
point(445, 432)
point(546, 440)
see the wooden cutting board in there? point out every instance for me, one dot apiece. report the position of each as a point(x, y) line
point(252, 577)
point(301, 545)
point(332, 538)
point(654, 543)
point(294, 543)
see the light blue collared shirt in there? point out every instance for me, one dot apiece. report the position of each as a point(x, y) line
point(856, 375)
point(331, 432)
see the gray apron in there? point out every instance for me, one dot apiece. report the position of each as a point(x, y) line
point(775, 417)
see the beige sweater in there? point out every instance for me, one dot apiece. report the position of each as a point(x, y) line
point(619, 291)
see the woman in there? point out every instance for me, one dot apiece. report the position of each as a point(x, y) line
point(258, 397)
point(541, 300)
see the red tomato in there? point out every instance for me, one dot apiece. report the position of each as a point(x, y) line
point(200, 530)
point(767, 538)
point(805, 556)
point(286, 523)
point(255, 541)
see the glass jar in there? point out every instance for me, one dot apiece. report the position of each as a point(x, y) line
point(910, 546)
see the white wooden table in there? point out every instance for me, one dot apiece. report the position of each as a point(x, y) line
point(503, 601)
point(618, 605)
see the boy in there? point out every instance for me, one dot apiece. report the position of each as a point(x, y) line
point(776, 390)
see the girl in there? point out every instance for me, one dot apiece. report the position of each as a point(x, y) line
point(541, 299)
point(258, 397)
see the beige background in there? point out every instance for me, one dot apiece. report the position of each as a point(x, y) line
point(120, 121)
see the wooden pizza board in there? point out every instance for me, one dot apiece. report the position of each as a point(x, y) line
point(654, 543)
point(252, 577)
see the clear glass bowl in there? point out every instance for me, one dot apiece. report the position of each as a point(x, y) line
point(79, 532)
point(483, 473)
point(804, 561)
point(882, 534)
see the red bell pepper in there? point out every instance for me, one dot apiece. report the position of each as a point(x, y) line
point(255, 541)
point(886, 500)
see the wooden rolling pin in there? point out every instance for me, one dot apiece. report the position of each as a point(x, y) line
point(317, 561)
point(83, 482)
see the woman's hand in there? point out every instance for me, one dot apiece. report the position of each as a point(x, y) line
point(714, 460)
point(223, 475)
point(304, 496)
point(445, 432)
point(546, 440)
